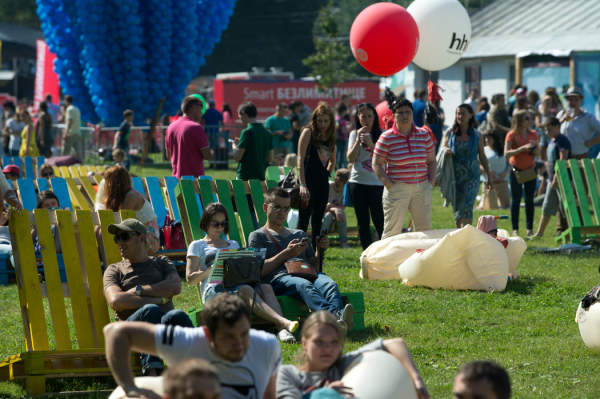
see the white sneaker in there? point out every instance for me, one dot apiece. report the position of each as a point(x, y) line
point(286, 336)
point(344, 325)
point(347, 316)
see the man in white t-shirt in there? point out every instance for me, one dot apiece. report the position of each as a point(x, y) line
point(246, 360)
point(72, 134)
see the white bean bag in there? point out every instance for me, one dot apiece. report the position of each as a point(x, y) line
point(515, 250)
point(154, 384)
point(383, 258)
point(465, 259)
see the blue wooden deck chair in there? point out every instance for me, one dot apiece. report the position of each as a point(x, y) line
point(42, 184)
point(60, 188)
point(156, 198)
point(6, 161)
point(27, 193)
point(171, 183)
point(28, 167)
point(39, 162)
point(138, 184)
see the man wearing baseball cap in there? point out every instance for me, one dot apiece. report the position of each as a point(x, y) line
point(142, 287)
point(12, 172)
point(580, 127)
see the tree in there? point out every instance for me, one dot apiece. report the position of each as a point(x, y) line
point(332, 63)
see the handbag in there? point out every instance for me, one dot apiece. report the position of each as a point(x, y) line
point(523, 176)
point(172, 234)
point(295, 268)
point(289, 184)
point(489, 200)
point(239, 271)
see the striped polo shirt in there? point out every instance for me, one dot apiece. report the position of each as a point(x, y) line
point(405, 156)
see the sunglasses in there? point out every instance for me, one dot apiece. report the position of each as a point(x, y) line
point(222, 224)
point(47, 174)
point(279, 208)
point(365, 105)
point(124, 237)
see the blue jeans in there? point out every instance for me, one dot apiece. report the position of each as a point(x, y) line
point(153, 314)
point(6, 248)
point(321, 294)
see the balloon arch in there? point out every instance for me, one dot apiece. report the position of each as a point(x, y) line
point(114, 55)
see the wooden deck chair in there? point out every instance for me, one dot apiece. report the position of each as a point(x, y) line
point(28, 164)
point(84, 287)
point(38, 161)
point(42, 184)
point(6, 161)
point(156, 198)
point(60, 188)
point(576, 202)
point(26, 191)
point(198, 199)
point(170, 184)
point(138, 184)
point(272, 173)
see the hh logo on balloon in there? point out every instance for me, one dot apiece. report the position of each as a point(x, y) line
point(461, 45)
point(362, 55)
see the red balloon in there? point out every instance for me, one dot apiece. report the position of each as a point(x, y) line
point(383, 110)
point(384, 38)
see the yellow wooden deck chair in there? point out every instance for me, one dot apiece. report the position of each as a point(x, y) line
point(87, 310)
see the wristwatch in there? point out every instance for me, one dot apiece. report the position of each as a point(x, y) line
point(138, 290)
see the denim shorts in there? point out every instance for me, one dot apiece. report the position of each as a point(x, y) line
point(214, 290)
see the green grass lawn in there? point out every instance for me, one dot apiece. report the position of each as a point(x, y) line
point(529, 328)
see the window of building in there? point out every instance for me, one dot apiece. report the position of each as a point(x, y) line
point(472, 79)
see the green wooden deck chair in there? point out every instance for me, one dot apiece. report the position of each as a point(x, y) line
point(576, 203)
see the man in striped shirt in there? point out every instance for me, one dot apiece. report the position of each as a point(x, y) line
point(404, 161)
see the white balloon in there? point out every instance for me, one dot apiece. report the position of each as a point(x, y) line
point(589, 325)
point(379, 375)
point(444, 31)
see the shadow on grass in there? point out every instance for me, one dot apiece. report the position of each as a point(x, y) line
point(525, 285)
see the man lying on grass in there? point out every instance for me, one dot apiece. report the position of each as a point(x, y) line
point(247, 360)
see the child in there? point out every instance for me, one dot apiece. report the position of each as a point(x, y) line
point(119, 156)
point(558, 148)
point(122, 137)
point(335, 207)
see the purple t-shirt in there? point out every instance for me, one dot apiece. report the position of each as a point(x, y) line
point(185, 138)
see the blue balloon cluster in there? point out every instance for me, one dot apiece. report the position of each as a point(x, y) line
point(113, 55)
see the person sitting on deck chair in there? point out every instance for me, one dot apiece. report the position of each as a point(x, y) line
point(286, 246)
point(140, 287)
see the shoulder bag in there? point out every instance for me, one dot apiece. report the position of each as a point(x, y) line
point(523, 176)
point(239, 271)
point(297, 268)
point(290, 183)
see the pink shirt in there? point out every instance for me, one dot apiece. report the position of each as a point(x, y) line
point(185, 138)
point(406, 157)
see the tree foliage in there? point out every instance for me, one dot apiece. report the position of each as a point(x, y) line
point(21, 12)
point(332, 62)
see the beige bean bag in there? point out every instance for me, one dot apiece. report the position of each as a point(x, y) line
point(383, 258)
point(465, 259)
point(154, 384)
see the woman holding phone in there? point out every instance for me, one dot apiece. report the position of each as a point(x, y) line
point(366, 191)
